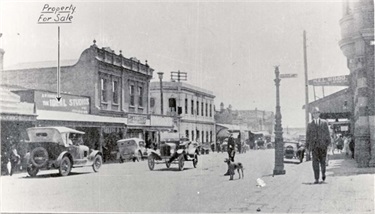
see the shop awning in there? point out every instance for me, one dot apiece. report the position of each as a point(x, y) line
point(333, 106)
point(76, 117)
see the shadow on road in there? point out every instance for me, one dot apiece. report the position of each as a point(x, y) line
point(172, 169)
point(54, 175)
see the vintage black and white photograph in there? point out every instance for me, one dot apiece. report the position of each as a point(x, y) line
point(187, 106)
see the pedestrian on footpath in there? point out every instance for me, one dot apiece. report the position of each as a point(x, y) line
point(231, 150)
point(14, 158)
point(317, 140)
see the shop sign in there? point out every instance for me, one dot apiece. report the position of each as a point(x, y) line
point(331, 81)
point(137, 119)
point(68, 103)
point(16, 117)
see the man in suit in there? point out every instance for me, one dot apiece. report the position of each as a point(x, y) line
point(317, 140)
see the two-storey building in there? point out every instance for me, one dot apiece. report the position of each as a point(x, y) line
point(192, 107)
point(102, 93)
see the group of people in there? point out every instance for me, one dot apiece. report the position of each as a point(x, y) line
point(343, 144)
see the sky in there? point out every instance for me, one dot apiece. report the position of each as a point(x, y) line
point(227, 47)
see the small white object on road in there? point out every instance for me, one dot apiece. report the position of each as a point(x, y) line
point(260, 183)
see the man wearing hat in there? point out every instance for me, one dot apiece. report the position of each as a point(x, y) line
point(317, 140)
point(231, 150)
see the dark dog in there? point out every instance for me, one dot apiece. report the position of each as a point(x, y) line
point(233, 166)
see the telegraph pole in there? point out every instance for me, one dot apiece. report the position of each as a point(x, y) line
point(306, 89)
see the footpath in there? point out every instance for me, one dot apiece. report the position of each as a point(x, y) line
point(347, 189)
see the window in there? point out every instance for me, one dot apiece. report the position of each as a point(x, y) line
point(186, 106)
point(192, 135)
point(192, 108)
point(152, 102)
point(172, 104)
point(131, 91)
point(207, 139)
point(210, 110)
point(198, 135)
point(210, 136)
point(197, 107)
point(115, 91)
point(202, 109)
point(187, 133)
point(206, 109)
point(140, 96)
point(103, 86)
point(202, 136)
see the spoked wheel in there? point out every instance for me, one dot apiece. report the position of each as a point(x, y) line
point(181, 162)
point(140, 155)
point(65, 166)
point(151, 162)
point(98, 161)
point(168, 164)
point(195, 161)
point(32, 170)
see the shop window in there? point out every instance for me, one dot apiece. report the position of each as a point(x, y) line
point(115, 90)
point(140, 96)
point(187, 133)
point(202, 136)
point(131, 91)
point(198, 135)
point(103, 87)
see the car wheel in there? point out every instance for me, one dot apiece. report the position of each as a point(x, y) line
point(181, 162)
point(151, 162)
point(65, 166)
point(195, 161)
point(98, 161)
point(32, 170)
point(168, 164)
point(39, 157)
point(121, 160)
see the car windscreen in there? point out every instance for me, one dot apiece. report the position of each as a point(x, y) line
point(44, 135)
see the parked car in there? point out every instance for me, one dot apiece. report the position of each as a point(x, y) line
point(131, 149)
point(174, 151)
point(290, 149)
point(59, 148)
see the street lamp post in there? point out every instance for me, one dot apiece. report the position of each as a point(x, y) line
point(161, 92)
point(279, 144)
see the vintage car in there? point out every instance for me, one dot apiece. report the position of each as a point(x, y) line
point(174, 151)
point(131, 149)
point(290, 149)
point(58, 148)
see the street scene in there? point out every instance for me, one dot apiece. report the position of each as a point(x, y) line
point(187, 106)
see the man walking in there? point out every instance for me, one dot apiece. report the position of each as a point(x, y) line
point(317, 140)
point(231, 150)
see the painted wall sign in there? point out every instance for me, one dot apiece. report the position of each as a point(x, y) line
point(331, 81)
point(56, 14)
point(68, 103)
point(137, 119)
